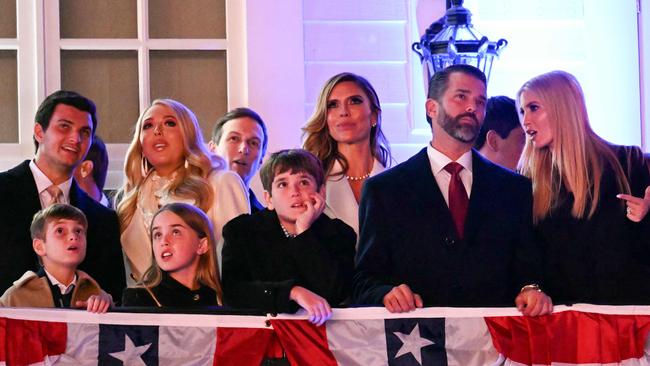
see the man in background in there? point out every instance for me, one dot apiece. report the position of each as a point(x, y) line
point(240, 137)
point(91, 173)
point(501, 139)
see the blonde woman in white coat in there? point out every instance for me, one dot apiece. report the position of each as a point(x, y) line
point(168, 162)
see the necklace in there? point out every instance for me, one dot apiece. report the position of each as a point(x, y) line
point(356, 179)
point(287, 233)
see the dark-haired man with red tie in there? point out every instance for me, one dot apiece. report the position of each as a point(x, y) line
point(447, 227)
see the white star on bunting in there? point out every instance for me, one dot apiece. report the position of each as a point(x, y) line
point(131, 354)
point(412, 343)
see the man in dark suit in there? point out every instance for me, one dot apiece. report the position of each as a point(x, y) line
point(64, 127)
point(240, 137)
point(447, 227)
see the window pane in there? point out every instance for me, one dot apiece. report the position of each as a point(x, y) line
point(197, 79)
point(98, 19)
point(9, 97)
point(7, 18)
point(187, 19)
point(110, 79)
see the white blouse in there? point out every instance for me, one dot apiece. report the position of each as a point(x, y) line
point(229, 201)
point(339, 199)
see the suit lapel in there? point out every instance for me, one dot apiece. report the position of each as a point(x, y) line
point(25, 182)
point(482, 183)
point(428, 197)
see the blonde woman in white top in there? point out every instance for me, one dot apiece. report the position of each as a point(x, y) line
point(167, 162)
point(345, 134)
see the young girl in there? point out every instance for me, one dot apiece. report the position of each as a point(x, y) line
point(184, 268)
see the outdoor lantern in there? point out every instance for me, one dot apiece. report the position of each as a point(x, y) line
point(453, 40)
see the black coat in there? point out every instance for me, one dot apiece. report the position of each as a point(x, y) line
point(261, 265)
point(19, 201)
point(602, 259)
point(407, 236)
point(170, 293)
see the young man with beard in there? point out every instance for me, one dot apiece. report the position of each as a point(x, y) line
point(64, 127)
point(447, 227)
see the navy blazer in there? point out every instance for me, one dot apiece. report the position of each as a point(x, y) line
point(19, 201)
point(407, 236)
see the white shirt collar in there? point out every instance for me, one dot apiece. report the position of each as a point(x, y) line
point(104, 201)
point(65, 289)
point(439, 160)
point(42, 181)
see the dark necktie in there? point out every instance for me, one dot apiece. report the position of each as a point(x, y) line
point(458, 201)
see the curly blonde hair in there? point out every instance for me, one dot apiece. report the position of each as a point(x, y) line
point(190, 182)
point(318, 140)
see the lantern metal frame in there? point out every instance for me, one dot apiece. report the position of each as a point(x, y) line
point(453, 40)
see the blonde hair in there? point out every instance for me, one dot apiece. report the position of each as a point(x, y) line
point(190, 182)
point(207, 272)
point(318, 140)
point(575, 159)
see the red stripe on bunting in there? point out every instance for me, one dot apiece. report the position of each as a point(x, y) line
point(241, 346)
point(23, 342)
point(570, 337)
point(304, 343)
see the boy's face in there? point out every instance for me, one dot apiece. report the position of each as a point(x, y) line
point(289, 193)
point(64, 245)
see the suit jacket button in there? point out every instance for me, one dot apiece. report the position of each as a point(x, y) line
point(267, 292)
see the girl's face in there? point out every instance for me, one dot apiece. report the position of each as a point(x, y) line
point(176, 246)
point(161, 139)
point(349, 113)
point(535, 120)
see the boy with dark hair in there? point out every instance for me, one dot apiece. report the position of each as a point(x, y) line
point(59, 238)
point(289, 255)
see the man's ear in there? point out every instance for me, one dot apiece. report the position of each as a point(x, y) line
point(432, 107)
point(86, 168)
point(267, 199)
point(493, 140)
point(39, 247)
point(212, 146)
point(38, 132)
point(203, 246)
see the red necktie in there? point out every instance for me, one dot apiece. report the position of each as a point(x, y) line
point(458, 201)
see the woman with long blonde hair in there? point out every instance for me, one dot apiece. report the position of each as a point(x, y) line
point(345, 134)
point(168, 162)
point(184, 270)
point(584, 204)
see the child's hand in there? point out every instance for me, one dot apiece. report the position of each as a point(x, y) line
point(318, 309)
point(315, 205)
point(96, 303)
